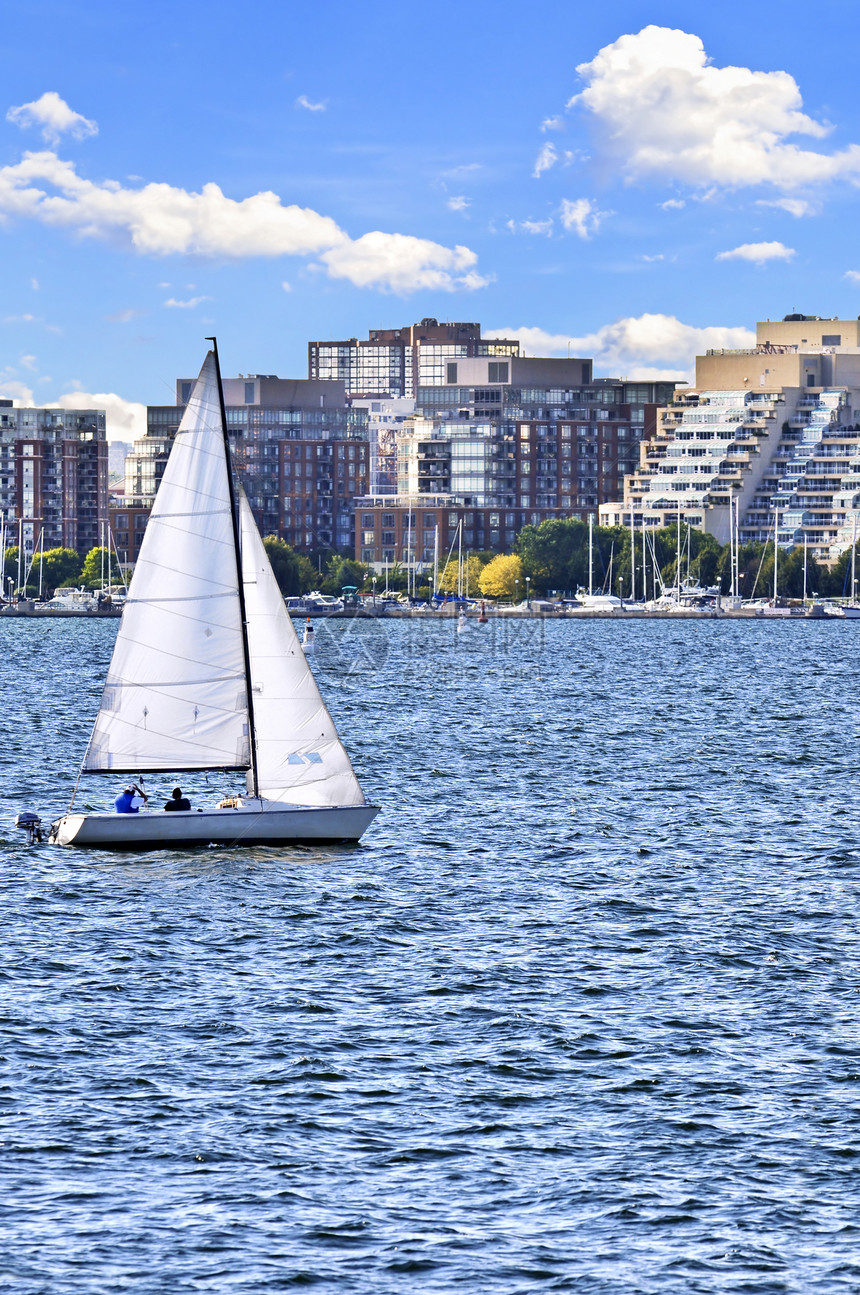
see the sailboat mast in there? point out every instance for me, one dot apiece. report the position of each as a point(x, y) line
point(243, 615)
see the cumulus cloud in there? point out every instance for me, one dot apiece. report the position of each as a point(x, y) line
point(401, 263)
point(663, 111)
point(54, 118)
point(647, 347)
point(794, 206)
point(545, 160)
point(580, 216)
point(672, 204)
point(758, 253)
point(853, 275)
point(161, 219)
point(552, 123)
point(304, 102)
point(11, 388)
point(125, 420)
point(458, 203)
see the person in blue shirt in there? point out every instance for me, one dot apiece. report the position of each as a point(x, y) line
point(130, 801)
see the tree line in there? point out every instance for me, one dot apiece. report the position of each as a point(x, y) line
point(551, 558)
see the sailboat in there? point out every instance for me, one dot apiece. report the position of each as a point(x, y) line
point(208, 673)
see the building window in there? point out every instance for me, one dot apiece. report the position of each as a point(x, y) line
point(497, 371)
point(452, 373)
point(249, 393)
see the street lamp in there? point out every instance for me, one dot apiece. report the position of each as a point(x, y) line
point(516, 591)
point(373, 582)
point(528, 594)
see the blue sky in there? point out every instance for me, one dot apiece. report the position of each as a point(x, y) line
point(637, 183)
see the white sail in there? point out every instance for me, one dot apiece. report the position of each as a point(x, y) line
point(176, 694)
point(300, 759)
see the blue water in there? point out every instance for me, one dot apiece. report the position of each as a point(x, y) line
point(580, 1014)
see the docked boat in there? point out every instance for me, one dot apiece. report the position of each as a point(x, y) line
point(208, 673)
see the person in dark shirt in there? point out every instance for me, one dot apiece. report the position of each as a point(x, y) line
point(177, 800)
point(130, 800)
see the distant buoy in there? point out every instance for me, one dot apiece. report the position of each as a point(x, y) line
point(308, 637)
point(483, 618)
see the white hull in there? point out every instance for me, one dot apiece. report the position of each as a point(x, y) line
point(255, 823)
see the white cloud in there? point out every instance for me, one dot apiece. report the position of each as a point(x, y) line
point(794, 206)
point(54, 117)
point(400, 263)
point(161, 220)
point(34, 284)
point(664, 112)
point(657, 257)
point(537, 226)
point(29, 362)
point(125, 420)
point(580, 216)
point(853, 275)
point(11, 388)
point(672, 204)
point(758, 253)
point(647, 347)
point(552, 123)
point(287, 287)
point(304, 102)
point(190, 304)
point(458, 204)
point(545, 159)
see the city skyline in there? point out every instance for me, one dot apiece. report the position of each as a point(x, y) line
point(634, 187)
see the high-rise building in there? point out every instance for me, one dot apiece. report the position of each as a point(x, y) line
point(53, 477)
point(507, 443)
point(299, 448)
point(397, 361)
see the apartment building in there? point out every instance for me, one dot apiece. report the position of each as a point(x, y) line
point(53, 477)
point(304, 495)
point(510, 443)
point(397, 361)
point(411, 530)
point(775, 429)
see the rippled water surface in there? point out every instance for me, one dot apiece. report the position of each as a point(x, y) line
point(581, 1013)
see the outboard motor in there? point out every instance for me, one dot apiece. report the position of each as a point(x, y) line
point(31, 824)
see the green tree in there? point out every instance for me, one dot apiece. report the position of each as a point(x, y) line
point(100, 567)
point(502, 577)
point(59, 567)
point(342, 571)
point(294, 573)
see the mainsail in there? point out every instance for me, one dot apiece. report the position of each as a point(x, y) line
point(176, 696)
point(300, 759)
